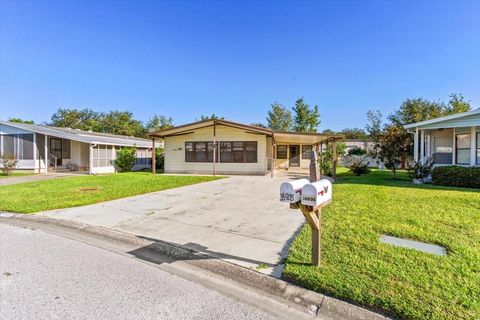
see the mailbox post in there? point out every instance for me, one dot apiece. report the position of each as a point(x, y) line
point(309, 198)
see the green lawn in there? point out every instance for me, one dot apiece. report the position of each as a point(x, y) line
point(82, 190)
point(403, 283)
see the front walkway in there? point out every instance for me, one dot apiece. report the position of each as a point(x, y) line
point(237, 219)
point(33, 177)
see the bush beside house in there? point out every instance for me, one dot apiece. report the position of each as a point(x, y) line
point(456, 176)
point(125, 159)
point(8, 163)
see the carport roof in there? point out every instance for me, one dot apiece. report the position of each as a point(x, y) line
point(283, 136)
point(83, 136)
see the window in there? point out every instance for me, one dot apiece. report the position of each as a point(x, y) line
point(306, 150)
point(478, 148)
point(19, 145)
point(226, 152)
point(238, 151)
point(201, 151)
point(281, 152)
point(463, 148)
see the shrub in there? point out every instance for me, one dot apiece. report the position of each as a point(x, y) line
point(9, 163)
point(125, 159)
point(419, 170)
point(359, 167)
point(455, 176)
point(357, 151)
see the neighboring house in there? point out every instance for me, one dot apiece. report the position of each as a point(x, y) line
point(240, 149)
point(450, 140)
point(363, 144)
point(45, 148)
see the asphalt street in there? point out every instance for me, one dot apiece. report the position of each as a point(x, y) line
point(44, 276)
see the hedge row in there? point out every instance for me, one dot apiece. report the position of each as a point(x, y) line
point(454, 176)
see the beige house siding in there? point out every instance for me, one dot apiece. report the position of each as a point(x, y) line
point(175, 152)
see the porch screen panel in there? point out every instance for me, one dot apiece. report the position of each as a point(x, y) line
point(463, 148)
point(18, 145)
point(40, 140)
point(66, 149)
point(8, 144)
point(102, 156)
point(25, 146)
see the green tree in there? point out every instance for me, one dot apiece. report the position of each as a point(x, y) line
point(18, 120)
point(328, 131)
point(354, 133)
point(121, 123)
point(259, 124)
point(113, 122)
point(394, 144)
point(84, 119)
point(326, 165)
point(306, 119)
point(279, 117)
point(418, 109)
point(213, 116)
point(457, 104)
point(374, 129)
point(158, 123)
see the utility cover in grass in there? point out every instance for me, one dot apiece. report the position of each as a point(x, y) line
point(416, 245)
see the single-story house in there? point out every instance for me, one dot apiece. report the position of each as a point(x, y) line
point(40, 148)
point(226, 147)
point(449, 140)
point(363, 144)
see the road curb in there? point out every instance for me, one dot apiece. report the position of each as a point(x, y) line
point(314, 303)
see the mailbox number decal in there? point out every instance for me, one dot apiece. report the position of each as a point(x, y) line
point(286, 196)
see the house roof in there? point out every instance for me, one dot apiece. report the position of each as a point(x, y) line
point(82, 136)
point(283, 136)
point(464, 119)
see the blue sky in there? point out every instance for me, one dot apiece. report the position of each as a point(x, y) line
point(184, 59)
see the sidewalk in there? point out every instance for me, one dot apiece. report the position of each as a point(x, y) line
point(34, 177)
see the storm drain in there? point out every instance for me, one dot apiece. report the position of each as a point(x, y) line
point(415, 245)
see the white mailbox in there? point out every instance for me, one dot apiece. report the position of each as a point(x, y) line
point(291, 191)
point(317, 193)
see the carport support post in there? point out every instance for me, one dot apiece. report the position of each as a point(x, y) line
point(214, 147)
point(335, 159)
point(154, 169)
point(314, 169)
point(46, 154)
point(273, 157)
point(321, 157)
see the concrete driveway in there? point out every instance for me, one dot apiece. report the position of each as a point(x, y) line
point(238, 219)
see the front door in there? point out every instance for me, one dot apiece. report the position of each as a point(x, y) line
point(56, 149)
point(294, 156)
